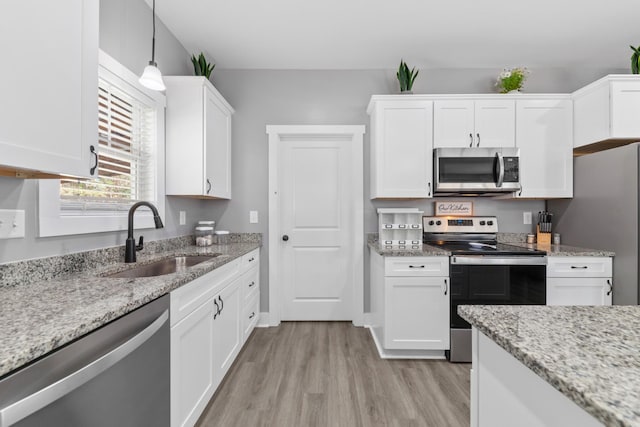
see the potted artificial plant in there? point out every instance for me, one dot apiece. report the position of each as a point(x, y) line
point(406, 77)
point(201, 67)
point(635, 60)
point(511, 80)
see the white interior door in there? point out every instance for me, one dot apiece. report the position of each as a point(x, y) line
point(315, 223)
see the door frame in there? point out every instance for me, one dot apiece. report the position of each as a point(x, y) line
point(354, 134)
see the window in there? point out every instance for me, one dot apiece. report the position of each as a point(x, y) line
point(130, 167)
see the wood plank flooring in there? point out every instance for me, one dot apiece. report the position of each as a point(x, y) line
point(329, 374)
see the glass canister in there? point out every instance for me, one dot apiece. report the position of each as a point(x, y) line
point(221, 237)
point(204, 235)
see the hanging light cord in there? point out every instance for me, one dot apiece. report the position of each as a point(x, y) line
point(153, 40)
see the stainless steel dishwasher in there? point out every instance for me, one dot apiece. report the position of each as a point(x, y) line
point(117, 375)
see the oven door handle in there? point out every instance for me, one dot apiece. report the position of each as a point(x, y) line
point(500, 162)
point(498, 260)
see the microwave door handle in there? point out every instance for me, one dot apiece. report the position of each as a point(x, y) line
point(500, 170)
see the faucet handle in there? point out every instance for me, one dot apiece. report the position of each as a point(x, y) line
point(140, 244)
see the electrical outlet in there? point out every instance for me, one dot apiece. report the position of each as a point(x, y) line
point(11, 224)
point(526, 217)
point(183, 217)
point(253, 217)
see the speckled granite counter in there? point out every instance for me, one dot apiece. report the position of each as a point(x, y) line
point(40, 315)
point(565, 250)
point(590, 354)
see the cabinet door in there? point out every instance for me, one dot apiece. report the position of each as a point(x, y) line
point(416, 313)
point(192, 368)
point(49, 110)
point(579, 291)
point(453, 124)
point(401, 153)
point(217, 149)
point(227, 333)
point(625, 104)
point(544, 136)
point(495, 123)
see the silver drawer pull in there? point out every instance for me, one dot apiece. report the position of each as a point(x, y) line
point(416, 266)
point(252, 284)
point(581, 267)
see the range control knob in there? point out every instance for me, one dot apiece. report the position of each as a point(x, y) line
point(489, 222)
point(431, 222)
point(438, 222)
point(481, 222)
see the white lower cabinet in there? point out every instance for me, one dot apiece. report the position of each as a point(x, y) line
point(410, 306)
point(417, 313)
point(209, 326)
point(579, 281)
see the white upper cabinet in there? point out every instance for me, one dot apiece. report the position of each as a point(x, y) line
point(401, 147)
point(544, 136)
point(49, 87)
point(607, 110)
point(198, 146)
point(474, 123)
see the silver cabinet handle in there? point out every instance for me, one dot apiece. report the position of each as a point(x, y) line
point(38, 400)
point(478, 143)
point(610, 286)
point(470, 140)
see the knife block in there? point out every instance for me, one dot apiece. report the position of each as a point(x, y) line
point(542, 238)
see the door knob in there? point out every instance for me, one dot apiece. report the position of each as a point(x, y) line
point(285, 237)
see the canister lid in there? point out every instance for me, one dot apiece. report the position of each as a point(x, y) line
point(204, 228)
point(207, 222)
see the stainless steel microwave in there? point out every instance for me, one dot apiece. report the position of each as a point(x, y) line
point(476, 170)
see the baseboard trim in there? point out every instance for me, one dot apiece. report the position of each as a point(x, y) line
point(404, 354)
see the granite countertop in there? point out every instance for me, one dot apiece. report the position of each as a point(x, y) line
point(425, 250)
point(565, 250)
point(41, 315)
point(590, 354)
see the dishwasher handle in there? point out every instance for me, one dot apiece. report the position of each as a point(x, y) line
point(34, 402)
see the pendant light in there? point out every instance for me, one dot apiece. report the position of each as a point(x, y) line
point(152, 77)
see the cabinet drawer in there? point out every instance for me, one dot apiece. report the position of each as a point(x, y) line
point(250, 316)
point(416, 266)
point(579, 267)
point(249, 260)
point(187, 298)
point(250, 283)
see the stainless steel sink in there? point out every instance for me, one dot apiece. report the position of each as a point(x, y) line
point(165, 266)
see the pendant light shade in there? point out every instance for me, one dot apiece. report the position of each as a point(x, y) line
point(151, 76)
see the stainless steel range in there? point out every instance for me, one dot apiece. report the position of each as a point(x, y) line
point(483, 271)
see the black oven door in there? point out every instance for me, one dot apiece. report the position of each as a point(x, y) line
point(496, 281)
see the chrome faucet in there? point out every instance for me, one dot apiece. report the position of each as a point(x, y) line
point(130, 247)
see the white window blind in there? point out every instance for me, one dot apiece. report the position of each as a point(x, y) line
point(127, 158)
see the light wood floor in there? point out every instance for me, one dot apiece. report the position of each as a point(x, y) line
point(329, 374)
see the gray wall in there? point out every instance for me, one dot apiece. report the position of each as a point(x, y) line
point(280, 97)
point(125, 34)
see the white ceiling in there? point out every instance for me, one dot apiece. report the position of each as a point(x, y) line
point(376, 34)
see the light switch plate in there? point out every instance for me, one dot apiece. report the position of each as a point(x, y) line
point(11, 224)
point(183, 217)
point(526, 217)
point(253, 217)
